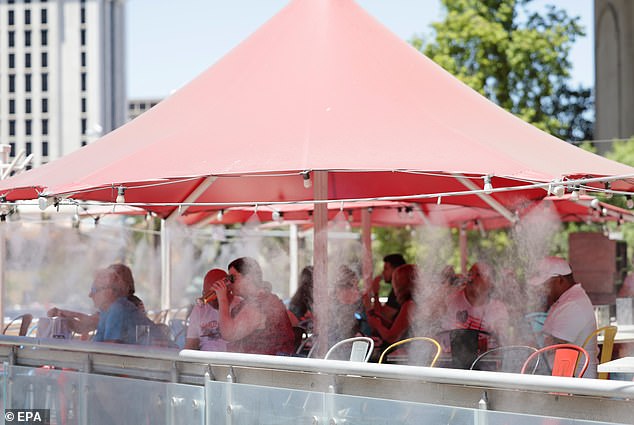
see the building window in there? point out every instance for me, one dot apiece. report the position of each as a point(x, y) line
point(82, 36)
point(83, 143)
point(45, 82)
point(28, 147)
point(83, 58)
point(82, 15)
point(12, 106)
point(45, 127)
point(12, 153)
point(11, 60)
point(11, 83)
point(11, 127)
point(44, 148)
point(27, 38)
point(11, 38)
point(44, 105)
point(43, 16)
point(27, 106)
point(44, 59)
point(27, 127)
point(44, 37)
point(27, 83)
point(83, 81)
point(11, 17)
point(83, 104)
point(27, 17)
point(84, 124)
point(27, 60)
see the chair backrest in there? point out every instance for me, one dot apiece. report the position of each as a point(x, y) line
point(25, 322)
point(609, 332)
point(565, 360)
point(465, 346)
point(509, 358)
point(436, 349)
point(361, 348)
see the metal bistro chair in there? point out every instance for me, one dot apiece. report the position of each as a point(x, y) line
point(565, 360)
point(360, 350)
point(609, 332)
point(25, 322)
point(509, 358)
point(430, 343)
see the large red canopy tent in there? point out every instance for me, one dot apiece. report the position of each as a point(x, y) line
point(321, 86)
point(320, 92)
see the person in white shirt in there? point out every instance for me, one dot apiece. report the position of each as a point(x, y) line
point(203, 331)
point(570, 313)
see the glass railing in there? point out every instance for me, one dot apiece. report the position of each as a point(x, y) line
point(80, 398)
point(250, 404)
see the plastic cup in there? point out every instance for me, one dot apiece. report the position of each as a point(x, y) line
point(143, 334)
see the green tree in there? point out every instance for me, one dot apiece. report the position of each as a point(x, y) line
point(516, 57)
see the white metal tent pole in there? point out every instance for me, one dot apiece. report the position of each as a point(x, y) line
point(320, 260)
point(366, 240)
point(166, 266)
point(293, 253)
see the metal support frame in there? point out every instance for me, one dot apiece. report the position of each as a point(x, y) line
point(486, 198)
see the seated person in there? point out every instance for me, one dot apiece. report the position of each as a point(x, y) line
point(203, 332)
point(570, 316)
point(300, 307)
point(118, 316)
point(347, 315)
point(82, 323)
point(473, 307)
point(388, 311)
point(404, 281)
point(259, 323)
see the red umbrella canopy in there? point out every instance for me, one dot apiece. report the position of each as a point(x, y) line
point(321, 86)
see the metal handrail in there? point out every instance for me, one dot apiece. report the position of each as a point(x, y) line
point(496, 380)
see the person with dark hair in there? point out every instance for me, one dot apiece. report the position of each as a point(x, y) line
point(389, 310)
point(301, 303)
point(570, 316)
point(259, 323)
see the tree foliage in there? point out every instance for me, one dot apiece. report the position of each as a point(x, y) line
point(516, 57)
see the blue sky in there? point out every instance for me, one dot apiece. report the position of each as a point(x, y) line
point(170, 42)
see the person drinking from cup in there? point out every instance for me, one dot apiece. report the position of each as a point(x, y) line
point(203, 331)
point(259, 323)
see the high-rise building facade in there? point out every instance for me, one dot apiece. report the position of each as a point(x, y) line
point(62, 74)
point(614, 65)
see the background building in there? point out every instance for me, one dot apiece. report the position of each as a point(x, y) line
point(62, 74)
point(614, 64)
point(137, 106)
